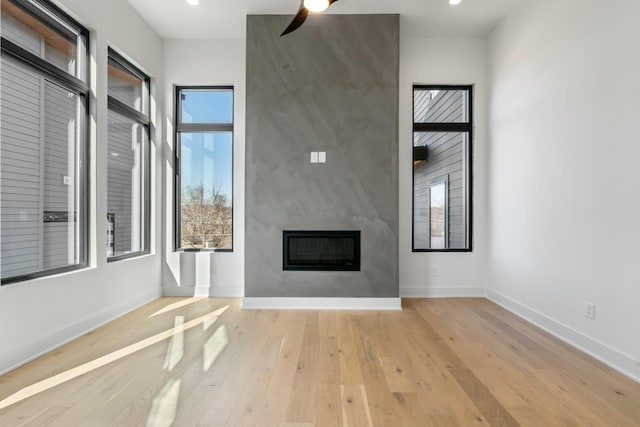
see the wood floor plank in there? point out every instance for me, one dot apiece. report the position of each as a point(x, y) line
point(202, 361)
point(412, 411)
point(355, 406)
point(249, 403)
point(189, 368)
point(381, 405)
point(493, 411)
point(194, 406)
point(303, 394)
point(279, 391)
point(509, 377)
point(350, 372)
point(489, 367)
point(328, 400)
point(274, 406)
point(327, 323)
point(397, 376)
point(233, 387)
point(43, 417)
point(437, 388)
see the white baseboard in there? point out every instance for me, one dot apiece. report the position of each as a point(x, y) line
point(321, 303)
point(201, 291)
point(606, 354)
point(444, 292)
point(27, 353)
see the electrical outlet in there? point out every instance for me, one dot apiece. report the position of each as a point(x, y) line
point(314, 157)
point(434, 271)
point(590, 310)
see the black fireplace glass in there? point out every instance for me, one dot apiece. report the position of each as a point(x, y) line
point(321, 250)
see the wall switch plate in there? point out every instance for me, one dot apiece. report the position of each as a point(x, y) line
point(434, 271)
point(589, 310)
point(322, 157)
point(66, 180)
point(314, 157)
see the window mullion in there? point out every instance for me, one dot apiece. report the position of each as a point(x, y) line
point(52, 72)
point(204, 127)
point(124, 110)
point(442, 127)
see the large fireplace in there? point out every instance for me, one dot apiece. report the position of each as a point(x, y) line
point(321, 250)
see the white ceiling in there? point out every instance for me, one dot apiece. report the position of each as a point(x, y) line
point(175, 19)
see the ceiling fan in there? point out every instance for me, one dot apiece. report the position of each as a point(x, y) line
point(305, 7)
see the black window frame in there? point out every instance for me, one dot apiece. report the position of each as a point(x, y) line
point(194, 128)
point(144, 119)
point(50, 15)
point(463, 127)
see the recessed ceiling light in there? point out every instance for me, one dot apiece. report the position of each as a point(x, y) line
point(451, 2)
point(316, 5)
point(193, 2)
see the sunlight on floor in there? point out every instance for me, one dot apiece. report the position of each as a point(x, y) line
point(176, 305)
point(175, 351)
point(212, 348)
point(165, 405)
point(209, 323)
point(73, 373)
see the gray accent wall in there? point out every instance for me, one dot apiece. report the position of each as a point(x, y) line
point(330, 86)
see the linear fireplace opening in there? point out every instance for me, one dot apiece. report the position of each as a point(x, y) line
point(321, 250)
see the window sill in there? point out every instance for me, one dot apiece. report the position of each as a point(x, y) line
point(127, 256)
point(441, 250)
point(197, 250)
point(43, 275)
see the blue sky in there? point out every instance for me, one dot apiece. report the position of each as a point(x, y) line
point(207, 106)
point(207, 157)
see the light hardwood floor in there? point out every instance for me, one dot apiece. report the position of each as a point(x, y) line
point(188, 362)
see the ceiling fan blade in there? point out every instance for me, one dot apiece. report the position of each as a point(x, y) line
point(298, 20)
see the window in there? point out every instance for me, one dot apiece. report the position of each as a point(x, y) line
point(442, 136)
point(128, 195)
point(204, 168)
point(437, 214)
point(43, 155)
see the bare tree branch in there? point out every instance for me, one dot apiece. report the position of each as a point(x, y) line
point(206, 217)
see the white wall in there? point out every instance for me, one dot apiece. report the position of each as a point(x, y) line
point(564, 188)
point(41, 314)
point(213, 63)
point(443, 61)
